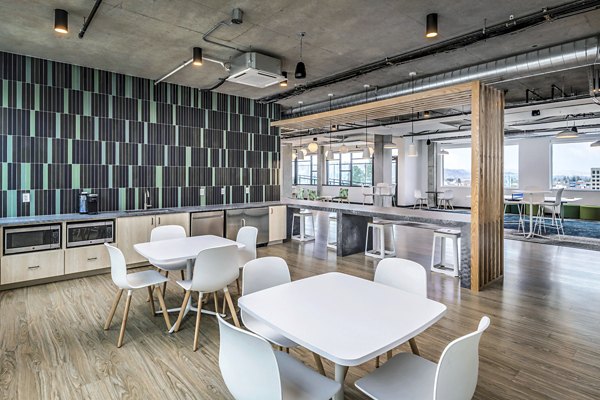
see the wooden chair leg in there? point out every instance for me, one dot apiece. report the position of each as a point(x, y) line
point(231, 308)
point(164, 289)
point(413, 346)
point(113, 308)
point(151, 295)
point(197, 329)
point(186, 298)
point(125, 314)
point(319, 364)
point(183, 277)
point(165, 313)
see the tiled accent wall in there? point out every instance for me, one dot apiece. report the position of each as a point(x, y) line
point(66, 128)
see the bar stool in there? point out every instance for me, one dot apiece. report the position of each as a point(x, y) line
point(302, 216)
point(332, 244)
point(442, 267)
point(379, 250)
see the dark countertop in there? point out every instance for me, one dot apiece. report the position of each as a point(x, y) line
point(48, 219)
point(391, 213)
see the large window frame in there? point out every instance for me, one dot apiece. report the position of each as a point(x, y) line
point(348, 167)
point(310, 160)
point(580, 185)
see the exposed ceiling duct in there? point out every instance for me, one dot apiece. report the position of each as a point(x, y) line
point(576, 54)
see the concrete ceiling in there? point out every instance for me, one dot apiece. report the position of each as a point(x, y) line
point(148, 38)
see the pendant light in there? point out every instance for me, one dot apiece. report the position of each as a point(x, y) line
point(294, 155)
point(284, 82)
point(431, 30)
point(61, 21)
point(313, 146)
point(343, 148)
point(568, 133)
point(300, 72)
point(197, 56)
point(412, 149)
point(330, 153)
point(428, 142)
point(595, 144)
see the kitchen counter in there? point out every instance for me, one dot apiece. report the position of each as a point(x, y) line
point(48, 219)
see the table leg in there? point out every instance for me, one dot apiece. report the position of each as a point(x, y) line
point(340, 376)
point(530, 220)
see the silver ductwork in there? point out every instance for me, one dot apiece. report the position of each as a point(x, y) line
point(576, 54)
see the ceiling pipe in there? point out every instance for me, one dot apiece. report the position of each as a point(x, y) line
point(575, 54)
point(188, 62)
point(89, 19)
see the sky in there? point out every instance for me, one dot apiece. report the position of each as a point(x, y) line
point(460, 158)
point(574, 158)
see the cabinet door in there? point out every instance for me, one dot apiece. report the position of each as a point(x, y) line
point(86, 258)
point(29, 266)
point(182, 219)
point(277, 223)
point(133, 230)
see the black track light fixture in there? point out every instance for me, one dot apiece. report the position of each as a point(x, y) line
point(197, 56)
point(284, 82)
point(432, 25)
point(61, 21)
point(300, 72)
point(428, 142)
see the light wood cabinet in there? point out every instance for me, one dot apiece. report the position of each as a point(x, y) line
point(30, 266)
point(133, 230)
point(277, 223)
point(88, 258)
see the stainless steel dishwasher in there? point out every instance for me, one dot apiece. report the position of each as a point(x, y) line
point(257, 217)
point(208, 223)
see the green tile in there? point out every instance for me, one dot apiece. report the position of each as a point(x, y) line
point(58, 132)
point(103, 157)
point(4, 176)
point(87, 104)
point(126, 131)
point(166, 155)
point(75, 176)
point(9, 148)
point(139, 149)
point(188, 157)
point(214, 100)
point(31, 203)
point(70, 151)
point(153, 111)
point(57, 201)
point(32, 125)
point(66, 100)
point(78, 127)
point(110, 106)
point(160, 197)
point(37, 97)
point(25, 176)
point(117, 156)
point(45, 177)
point(122, 199)
point(11, 203)
point(110, 177)
point(128, 86)
point(4, 93)
point(159, 177)
point(19, 95)
point(96, 128)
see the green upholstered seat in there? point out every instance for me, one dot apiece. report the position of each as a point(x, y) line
point(571, 211)
point(589, 212)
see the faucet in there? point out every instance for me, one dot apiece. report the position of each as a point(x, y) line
point(147, 204)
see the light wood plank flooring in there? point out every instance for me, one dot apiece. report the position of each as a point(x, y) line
point(543, 343)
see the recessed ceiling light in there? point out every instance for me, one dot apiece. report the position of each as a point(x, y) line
point(284, 82)
point(197, 56)
point(432, 25)
point(61, 21)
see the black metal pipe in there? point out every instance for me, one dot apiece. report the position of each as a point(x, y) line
point(89, 19)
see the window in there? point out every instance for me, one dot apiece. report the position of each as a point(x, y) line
point(394, 166)
point(456, 167)
point(349, 169)
point(511, 166)
point(574, 164)
point(305, 171)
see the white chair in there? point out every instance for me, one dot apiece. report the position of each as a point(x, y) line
point(214, 270)
point(510, 201)
point(252, 370)
point(367, 191)
point(405, 275)
point(302, 216)
point(332, 233)
point(407, 376)
point(420, 199)
point(261, 274)
point(131, 282)
point(443, 267)
point(538, 202)
point(445, 200)
point(378, 249)
point(167, 232)
point(247, 236)
point(556, 210)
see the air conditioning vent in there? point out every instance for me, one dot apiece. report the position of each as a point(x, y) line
point(255, 69)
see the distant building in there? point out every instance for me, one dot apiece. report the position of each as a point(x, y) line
point(595, 178)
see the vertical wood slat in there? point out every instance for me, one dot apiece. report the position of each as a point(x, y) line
point(487, 156)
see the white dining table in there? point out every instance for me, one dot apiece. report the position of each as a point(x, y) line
point(345, 319)
point(182, 249)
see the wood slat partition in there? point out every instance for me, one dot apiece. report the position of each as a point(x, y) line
point(487, 188)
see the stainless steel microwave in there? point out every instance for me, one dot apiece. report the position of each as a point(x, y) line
point(88, 233)
point(24, 239)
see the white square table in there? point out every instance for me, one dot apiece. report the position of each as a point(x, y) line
point(183, 249)
point(345, 319)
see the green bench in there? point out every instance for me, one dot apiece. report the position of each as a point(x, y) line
point(591, 213)
point(571, 211)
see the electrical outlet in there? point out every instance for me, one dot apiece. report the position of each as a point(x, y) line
point(222, 190)
point(202, 191)
point(26, 198)
point(247, 189)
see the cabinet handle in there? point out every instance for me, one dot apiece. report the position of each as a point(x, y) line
point(152, 221)
point(34, 267)
point(159, 220)
point(92, 258)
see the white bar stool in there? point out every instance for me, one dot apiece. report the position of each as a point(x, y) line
point(379, 250)
point(303, 236)
point(332, 243)
point(442, 266)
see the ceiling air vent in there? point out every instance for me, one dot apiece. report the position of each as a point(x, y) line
point(255, 69)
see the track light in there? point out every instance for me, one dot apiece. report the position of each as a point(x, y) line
point(300, 72)
point(197, 56)
point(61, 21)
point(428, 142)
point(432, 25)
point(284, 82)
point(568, 133)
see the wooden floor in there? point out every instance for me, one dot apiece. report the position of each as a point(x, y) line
point(544, 341)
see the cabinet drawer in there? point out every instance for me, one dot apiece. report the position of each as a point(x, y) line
point(86, 259)
point(37, 265)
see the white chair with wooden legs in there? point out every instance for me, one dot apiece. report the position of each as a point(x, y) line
point(214, 270)
point(252, 370)
point(167, 232)
point(131, 282)
point(405, 275)
point(407, 376)
point(421, 201)
point(260, 274)
point(247, 236)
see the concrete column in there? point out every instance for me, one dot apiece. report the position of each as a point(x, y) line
point(382, 162)
point(321, 170)
point(409, 173)
point(285, 171)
